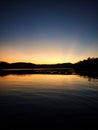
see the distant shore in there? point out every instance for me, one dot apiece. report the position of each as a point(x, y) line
point(88, 67)
point(37, 71)
point(51, 71)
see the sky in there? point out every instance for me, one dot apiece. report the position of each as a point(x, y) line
point(48, 31)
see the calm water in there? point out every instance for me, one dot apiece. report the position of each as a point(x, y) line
point(42, 99)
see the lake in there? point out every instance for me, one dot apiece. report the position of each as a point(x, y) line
point(48, 100)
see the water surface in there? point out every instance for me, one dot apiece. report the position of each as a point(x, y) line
point(43, 99)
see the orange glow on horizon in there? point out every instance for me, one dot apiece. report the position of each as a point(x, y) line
point(46, 52)
point(48, 61)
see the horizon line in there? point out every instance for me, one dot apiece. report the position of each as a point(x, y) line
point(49, 63)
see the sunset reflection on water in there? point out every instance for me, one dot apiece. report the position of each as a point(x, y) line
point(47, 99)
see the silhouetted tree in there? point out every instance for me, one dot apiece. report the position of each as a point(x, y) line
point(91, 64)
point(4, 65)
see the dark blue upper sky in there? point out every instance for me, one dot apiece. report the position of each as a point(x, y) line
point(49, 19)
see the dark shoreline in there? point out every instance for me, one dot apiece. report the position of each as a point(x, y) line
point(4, 72)
point(88, 67)
point(57, 71)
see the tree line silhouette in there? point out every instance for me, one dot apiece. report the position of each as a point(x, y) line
point(91, 64)
point(21, 65)
point(88, 67)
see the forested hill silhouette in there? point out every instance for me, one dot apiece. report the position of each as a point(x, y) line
point(88, 67)
point(22, 65)
point(91, 64)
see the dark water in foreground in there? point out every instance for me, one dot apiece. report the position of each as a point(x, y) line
point(48, 100)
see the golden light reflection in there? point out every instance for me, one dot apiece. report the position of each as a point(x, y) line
point(40, 81)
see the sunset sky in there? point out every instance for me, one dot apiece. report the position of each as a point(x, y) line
point(48, 31)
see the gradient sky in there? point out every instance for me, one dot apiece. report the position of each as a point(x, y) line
point(48, 31)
